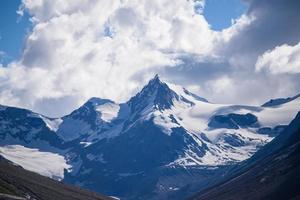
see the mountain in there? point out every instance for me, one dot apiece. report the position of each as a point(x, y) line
point(17, 183)
point(21, 126)
point(156, 145)
point(272, 173)
point(279, 101)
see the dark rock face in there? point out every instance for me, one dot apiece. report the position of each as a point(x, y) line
point(156, 93)
point(243, 120)
point(233, 140)
point(23, 126)
point(273, 132)
point(221, 121)
point(233, 121)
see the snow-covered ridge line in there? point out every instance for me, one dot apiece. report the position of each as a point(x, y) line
point(172, 107)
point(51, 123)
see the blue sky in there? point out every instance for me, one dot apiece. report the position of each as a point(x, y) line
point(13, 28)
point(220, 12)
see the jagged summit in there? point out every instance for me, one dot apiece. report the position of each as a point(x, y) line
point(155, 82)
point(156, 77)
point(161, 95)
point(156, 94)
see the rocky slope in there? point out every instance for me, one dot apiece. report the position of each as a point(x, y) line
point(17, 183)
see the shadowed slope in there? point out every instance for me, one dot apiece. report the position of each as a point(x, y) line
point(16, 182)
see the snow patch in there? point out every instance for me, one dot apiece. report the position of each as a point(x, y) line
point(115, 197)
point(109, 111)
point(86, 144)
point(165, 122)
point(45, 163)
point(52, 124)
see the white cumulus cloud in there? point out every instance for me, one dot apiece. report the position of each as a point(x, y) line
point(78, 49)
point(281, 59)
point(83, 48)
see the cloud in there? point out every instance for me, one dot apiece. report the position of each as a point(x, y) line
point(83, 48)
point(266, 25)
point(281, 59)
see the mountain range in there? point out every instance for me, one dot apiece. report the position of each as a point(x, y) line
point(163, 143)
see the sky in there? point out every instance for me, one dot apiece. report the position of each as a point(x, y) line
point(56, 54)
point(13, 30)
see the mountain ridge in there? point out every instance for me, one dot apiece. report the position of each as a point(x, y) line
point(280, 101)
point(162, 133)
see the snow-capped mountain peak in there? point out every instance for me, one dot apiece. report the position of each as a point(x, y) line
point(163, 127)
point(156, 94)
point(106, 109)
point(92, 117)
point(161, 95)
